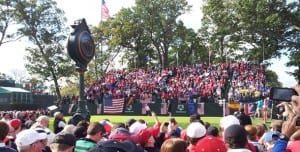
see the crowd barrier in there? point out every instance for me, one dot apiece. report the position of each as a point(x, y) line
point(178, 108)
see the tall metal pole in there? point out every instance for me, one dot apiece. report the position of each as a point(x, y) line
point(81, 49)
point(162, 61)
point(209, 59)
point(263, 52)
point(193, 55)
point(224, 107)
point(81, 103)
point(177, 58)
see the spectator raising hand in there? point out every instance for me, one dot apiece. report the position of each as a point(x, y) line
point(296, 99)
point(290, 130)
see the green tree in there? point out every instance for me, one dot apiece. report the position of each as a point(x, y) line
point(220, 28)
point(159, 20)
point(294, 61)
point(132, 36)
point(43, 24)
point(70, 89)
point(252, 30)
point(105, 51)
point(7, 22)
point(188, 45)
point(265, 25)
point(272, 79)
point(125, 35)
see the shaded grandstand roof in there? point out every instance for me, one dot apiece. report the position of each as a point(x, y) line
point(12, 89)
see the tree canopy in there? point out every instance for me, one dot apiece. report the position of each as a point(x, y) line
point(43, 24)
point(151, 34)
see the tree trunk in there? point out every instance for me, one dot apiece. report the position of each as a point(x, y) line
point(57, 90)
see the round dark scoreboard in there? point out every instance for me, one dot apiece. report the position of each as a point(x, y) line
point(81, 47)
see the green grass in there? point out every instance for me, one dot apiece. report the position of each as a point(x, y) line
point(182, 121)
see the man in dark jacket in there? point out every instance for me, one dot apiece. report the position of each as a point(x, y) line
point(244, 119)
point(59, 122)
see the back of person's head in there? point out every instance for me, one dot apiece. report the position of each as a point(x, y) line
point(174, 144)
point(251, 130)
point(63, 142)
point(195, 118)
point(260, 130)
point(142, 121)
point(276, 125)
point(213, 131)
point(43, 120)
point(130, 122)
point(95, 128)
point(235, 137)
point(83, 123)
point(32, 116)
point(4, 130)
point(115, 146)
point(57, 114)
point(173, 120)
point(118, 125)
point(80, 132)
point(69, 129)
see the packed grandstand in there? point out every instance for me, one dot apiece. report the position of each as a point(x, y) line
point(243, 81)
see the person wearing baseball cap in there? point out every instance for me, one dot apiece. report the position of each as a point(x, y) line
point(115, 146)
point(30, 141)
point(227, 121)
point(210, 143)
point(63, 142)
point(195, 131)
point(16, 124)
point(236, 138)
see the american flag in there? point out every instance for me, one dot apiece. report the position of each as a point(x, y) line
point(200, 109)
point(113, 106)
point(163, 109)
point(104, 10)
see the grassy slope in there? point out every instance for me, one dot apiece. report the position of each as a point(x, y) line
point(183, 121)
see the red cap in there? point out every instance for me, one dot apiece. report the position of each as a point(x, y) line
point(210, 143)
point(15, 123)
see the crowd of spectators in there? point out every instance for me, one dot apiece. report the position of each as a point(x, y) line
point(29, 131)
point(199, 81)
point(234, 133)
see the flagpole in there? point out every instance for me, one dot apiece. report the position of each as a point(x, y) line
point(208, 59)
point(96, 57)
point(101, 44)
point(177, 58)
point(209, 54)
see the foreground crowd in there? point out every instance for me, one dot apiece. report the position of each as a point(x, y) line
point(236, 134)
